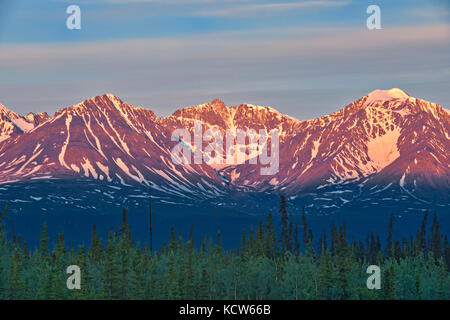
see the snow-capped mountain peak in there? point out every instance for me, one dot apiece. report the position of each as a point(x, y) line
point(386, 95)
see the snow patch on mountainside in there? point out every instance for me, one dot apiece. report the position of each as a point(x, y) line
point(315, 149)
point(386, 95)
point(88, 168)
point(383, 150)
point(105, 170)
point(66, 143)
point(23, 124)
point(402, 180)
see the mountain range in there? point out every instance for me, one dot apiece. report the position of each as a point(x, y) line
point(385, 148)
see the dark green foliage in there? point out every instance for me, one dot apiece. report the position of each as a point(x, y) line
point(270, 238)
point(111, 280)
point(263, 267)
point(389, 283)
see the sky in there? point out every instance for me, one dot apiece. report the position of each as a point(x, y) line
point(304, 58)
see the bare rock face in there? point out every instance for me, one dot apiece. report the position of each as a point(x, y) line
point(385, 138)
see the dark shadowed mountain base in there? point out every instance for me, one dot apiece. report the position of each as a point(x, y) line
point(73, 207)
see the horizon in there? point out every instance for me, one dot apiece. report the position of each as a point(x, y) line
point(304, 58)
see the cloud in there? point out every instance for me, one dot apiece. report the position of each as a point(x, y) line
point(430, 12)
point(276, 43)
point(285, 68)
point(225, 8)
point(236, 10)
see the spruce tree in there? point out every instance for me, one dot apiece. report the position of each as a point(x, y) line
point(58, 267)
point(16, 277)
point(270, 237)
point(188, 283)
point(388, 283)
point(81, 261)
point(137, 275)
point(422, 241)
point(172, 241)
point(284, 224)
point(125, 229)
point(305, 228)
point(436, 244)
point(44, 240)
point(111, 272)
point(342, 264)
point(325, 277)
point(260, 240)
point(123, 264)
point(296, 241)
point(389, 242)
point(96, 246)
point(172, 279)
point(290, 234)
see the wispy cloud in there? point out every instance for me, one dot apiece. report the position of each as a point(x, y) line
point(283, 69)
point(277, 43)
point(222, 8)
point(245, 9)
point(436, 12)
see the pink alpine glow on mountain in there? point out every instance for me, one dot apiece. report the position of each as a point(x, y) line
point(384, 138)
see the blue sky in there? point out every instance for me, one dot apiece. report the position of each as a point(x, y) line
point(305, 58)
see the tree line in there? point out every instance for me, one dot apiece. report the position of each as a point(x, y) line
point(266, 265)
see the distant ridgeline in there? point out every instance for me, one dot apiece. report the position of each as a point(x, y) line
point(267, 265)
